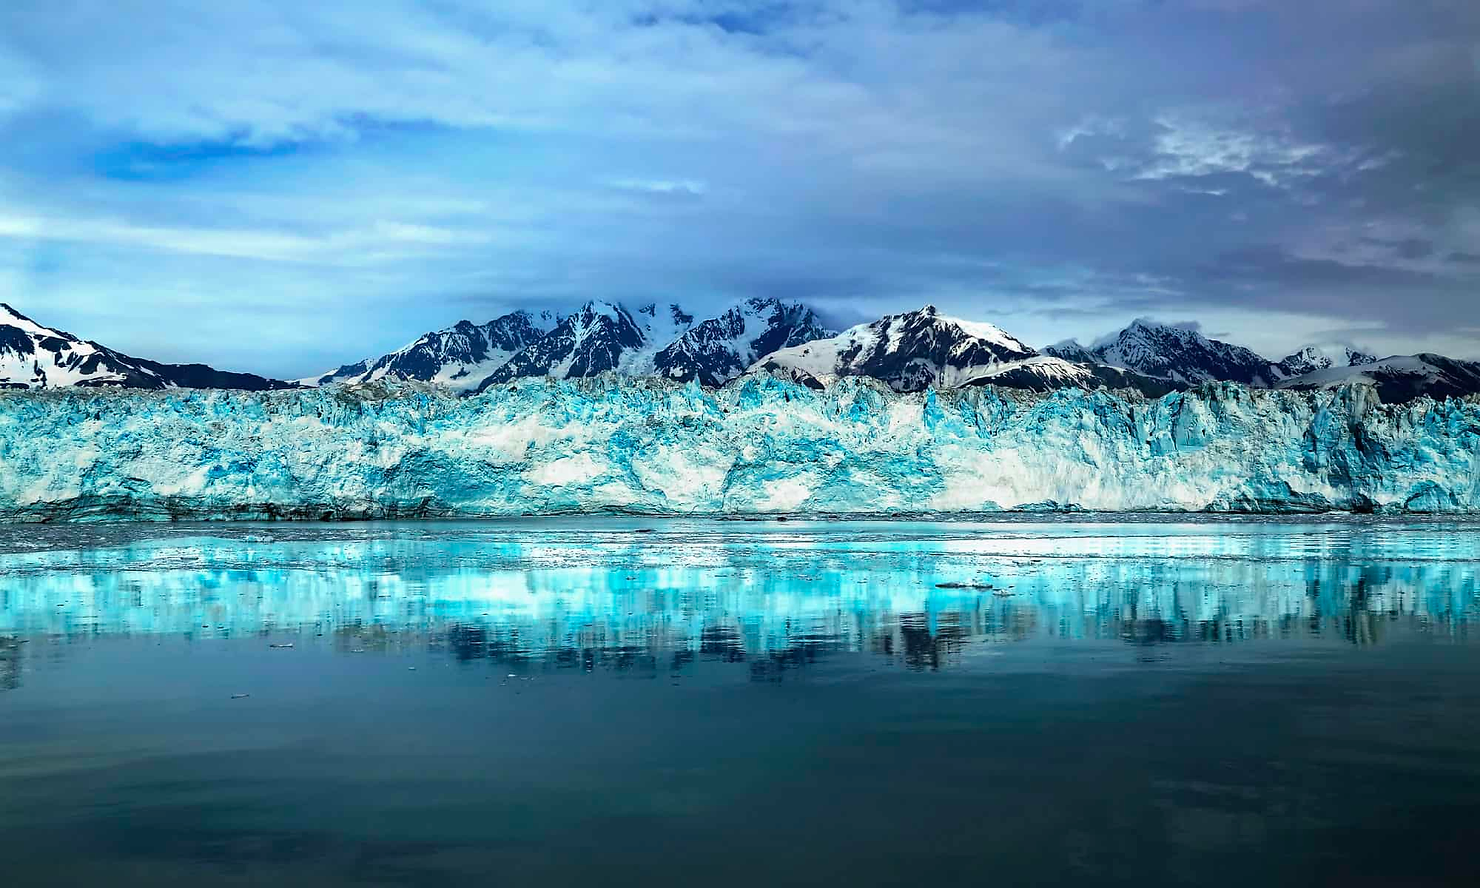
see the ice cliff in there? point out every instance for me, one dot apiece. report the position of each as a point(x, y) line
point(759, 445)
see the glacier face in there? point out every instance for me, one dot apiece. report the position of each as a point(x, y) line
point(760, 445)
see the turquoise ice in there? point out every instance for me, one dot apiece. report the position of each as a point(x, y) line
point(762, 445)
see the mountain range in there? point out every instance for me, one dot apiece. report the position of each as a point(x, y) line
point(909, 352)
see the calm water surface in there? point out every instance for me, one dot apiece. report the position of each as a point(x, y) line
point(736, 703)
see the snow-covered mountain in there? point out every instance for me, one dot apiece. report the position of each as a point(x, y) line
point(1175, 353)
point(1399, 378)
point(33, 356)
point(459, 357)
point(909, 352)
point(716, 350)
point(596, 338)
point(1186, 357)
point(1315, 357)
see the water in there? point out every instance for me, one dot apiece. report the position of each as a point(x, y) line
point(741, 703)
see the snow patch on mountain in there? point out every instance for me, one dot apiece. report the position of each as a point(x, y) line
point(660, 325)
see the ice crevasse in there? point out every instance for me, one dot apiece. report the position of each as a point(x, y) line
point(761, 445)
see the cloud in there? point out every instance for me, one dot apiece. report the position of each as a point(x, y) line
point(357, 246)
point(1060, 167)
point(1404, 248)
point(1189, 148)
point(667, 187)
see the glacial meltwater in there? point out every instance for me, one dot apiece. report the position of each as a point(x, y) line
point(1031, 700)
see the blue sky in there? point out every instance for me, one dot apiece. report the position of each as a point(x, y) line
point(282, 187)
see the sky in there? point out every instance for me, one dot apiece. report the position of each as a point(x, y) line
point(282, 187)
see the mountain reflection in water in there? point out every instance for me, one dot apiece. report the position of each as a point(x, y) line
point(651, 598)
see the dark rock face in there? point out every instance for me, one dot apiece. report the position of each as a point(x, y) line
point(1031, 377)
point(794, 374)
point(1117, 378)
point(203, 377)
point(33, 356)
point(719, 349)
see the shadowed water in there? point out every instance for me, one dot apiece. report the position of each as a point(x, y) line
point(551, 702)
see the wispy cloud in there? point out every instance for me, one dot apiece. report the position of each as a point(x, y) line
point(375, 242)
point(1190, 148)
point(690, 187)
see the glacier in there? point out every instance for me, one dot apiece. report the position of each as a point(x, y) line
point(762, 445)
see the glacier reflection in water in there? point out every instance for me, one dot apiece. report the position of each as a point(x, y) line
point(652, 596)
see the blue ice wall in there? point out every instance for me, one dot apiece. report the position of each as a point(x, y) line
point(761, 445)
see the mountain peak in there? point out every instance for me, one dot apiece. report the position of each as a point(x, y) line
point(1151, 327)
point(911, 351)
point(1149, 323)
point(676, 317)
point(1313, 358)
point(1180, 353)
point(591, 308)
